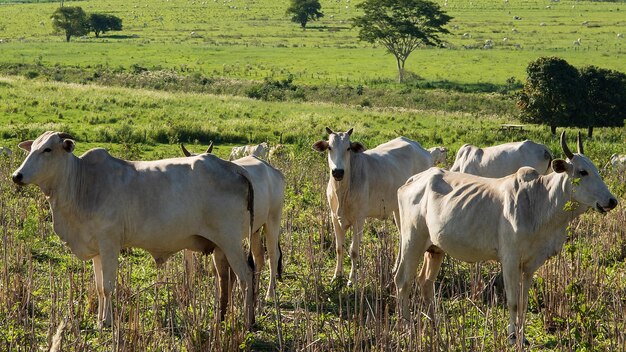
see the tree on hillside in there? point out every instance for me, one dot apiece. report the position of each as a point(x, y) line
point(551, 94)
point(605, 103)
point(303, 11)
point(401, 26)
point(70, 20)
point(102, 23)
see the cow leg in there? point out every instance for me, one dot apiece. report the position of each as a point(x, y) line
point(511, 274)
point(97, 274)
point(413, 241)
point(225, 278)
point(340, 237)
point(109, 263)
point(357, 234)
point(189, 268)
point(426, 279)
point(238, 263)
point(272, 233)
point(258, 255)
point(396, 221)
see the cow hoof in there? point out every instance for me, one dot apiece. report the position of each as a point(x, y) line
point(513, 340)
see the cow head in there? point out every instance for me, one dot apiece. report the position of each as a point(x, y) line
point(590, 190)
point(46, 154)
point(339, 148)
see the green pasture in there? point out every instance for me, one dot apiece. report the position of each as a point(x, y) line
point(576, 302)
point(252, 40)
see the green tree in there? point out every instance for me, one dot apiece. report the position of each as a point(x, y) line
point(102, 23)
point(401, 26)
point(303, 11)
point(605, 103)
point(551, 94)
point(71, 21)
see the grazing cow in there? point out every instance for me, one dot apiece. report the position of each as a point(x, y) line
point(364, 184)
point(101, 204)
point(269, 194)
point(502, 160)
point(439, 155)
point(258, 150)
point(526, 223)
point(5, 151)
point(618, 162)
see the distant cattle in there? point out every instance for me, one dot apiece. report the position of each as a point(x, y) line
point(258, 150)
point(502, 160)
point(102, 204)
point(618, 162)
point(6, 151)
point(439, 155)
point(269, 194)
point(519, 220)
point(363, 183)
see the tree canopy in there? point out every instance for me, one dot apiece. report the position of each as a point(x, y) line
point(558, 94)
point(401, 26)
point(70, 20)
point(303, 11)
point(102, 23)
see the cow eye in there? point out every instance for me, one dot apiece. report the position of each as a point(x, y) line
point(583, 173)
point(329, 148)
point(47, 150)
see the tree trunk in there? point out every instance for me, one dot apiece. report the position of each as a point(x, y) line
point(400, 63)
point(553, 130)
point(590, 131)
point(67, 37)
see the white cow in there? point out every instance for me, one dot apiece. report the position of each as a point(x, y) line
point(364, 184)
point(101, 204)
point(258, 150)
point(523, 222)
point(502, 160)
point(269, 195)
point(5, 151)
point(439, 155)
point(618, 162)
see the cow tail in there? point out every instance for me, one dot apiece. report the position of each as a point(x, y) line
point(280, 263)
point(250, 207)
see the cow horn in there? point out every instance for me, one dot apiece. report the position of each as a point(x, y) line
point(185, 151)
point(64, 135)
point(350, 131)
point(579, 144)
point(209, 149)
point(568, 153)
point(329, 131)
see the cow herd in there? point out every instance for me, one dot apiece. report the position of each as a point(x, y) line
point(505, 203)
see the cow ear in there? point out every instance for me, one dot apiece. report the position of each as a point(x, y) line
point(560, 165)
point(320, 146)
point(68, 145)
point(357, 147)
point(26, 145)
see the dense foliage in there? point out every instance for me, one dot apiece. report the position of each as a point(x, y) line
point(102, 23)
point(303, 11)
point(70, 20)
point(558, 94)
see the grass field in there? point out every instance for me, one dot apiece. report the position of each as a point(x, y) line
point(196, 89)
point(252, 40)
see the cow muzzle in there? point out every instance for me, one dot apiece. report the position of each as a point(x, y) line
point(603, 209)
point(337, 174)
point(17, 178)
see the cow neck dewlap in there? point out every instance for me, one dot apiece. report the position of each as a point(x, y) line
point(70, 190)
